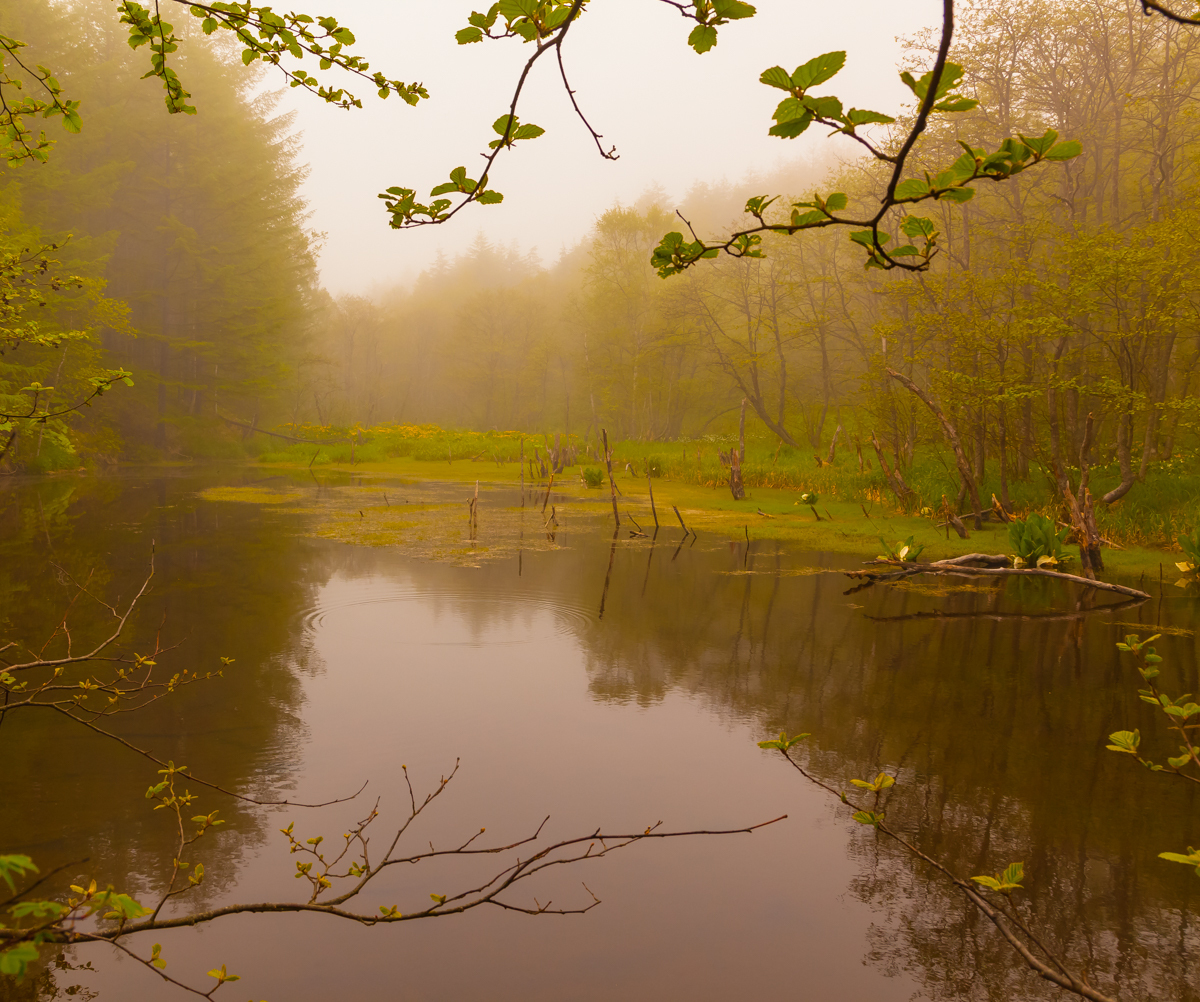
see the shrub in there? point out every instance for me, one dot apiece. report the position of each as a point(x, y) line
point(593, 476)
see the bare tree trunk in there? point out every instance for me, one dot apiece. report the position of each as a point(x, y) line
point(1080, 507)
point(833, 444)
point(894, 477)
point(737, 457)
point(611, 482)
point(1124, 440)
point(964, 468)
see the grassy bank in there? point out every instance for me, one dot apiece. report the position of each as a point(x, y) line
point(853, 509)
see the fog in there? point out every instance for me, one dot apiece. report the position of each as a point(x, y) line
point(675, 117)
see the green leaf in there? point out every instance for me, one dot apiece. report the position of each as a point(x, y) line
point(703, 37)
point(468, 35)
point(824, 107)
point(733, 10)
point(791, 129)
point(1125, 741)
point(867, 238)
point(1192, 859)
point(917, 226)
point(955, 104)
point(807, 218)
point(836, 202)
point(15, 962)
point(1065, 151)
point(1040, 144)
point(1009, 880)
point(818, 69)
point(776, 76)
point(38, 909)
point(912, 188)
point(15, 864)
point(957, 194)
point(857, 116)
point(489, 198)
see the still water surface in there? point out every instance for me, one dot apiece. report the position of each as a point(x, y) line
point(991, 705)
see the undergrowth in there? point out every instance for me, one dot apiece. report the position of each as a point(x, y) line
point(1154, 513)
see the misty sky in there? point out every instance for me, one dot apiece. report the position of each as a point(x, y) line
point(675, 117)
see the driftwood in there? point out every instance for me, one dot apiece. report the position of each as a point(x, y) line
point(993, 566)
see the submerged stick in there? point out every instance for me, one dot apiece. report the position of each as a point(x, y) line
point(549, 487)
point(953, 566)
point(611, 482)
point(686, 530)
point(653, 510)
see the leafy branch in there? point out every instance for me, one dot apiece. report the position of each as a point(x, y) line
point(936, 94)
point(26, 277)
point(336, 878)
point(1183, 716)
point(1000, 909)
point(20, 141)
point(265, 36)
point(545, 24)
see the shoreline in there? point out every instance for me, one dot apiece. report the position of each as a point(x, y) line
point(766, 513)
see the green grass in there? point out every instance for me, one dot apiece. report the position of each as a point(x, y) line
point(854, 507)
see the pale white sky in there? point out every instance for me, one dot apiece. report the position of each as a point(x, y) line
point(675, 117)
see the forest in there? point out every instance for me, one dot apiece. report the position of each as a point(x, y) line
point(590, 527)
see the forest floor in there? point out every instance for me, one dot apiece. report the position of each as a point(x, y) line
point(832, 524)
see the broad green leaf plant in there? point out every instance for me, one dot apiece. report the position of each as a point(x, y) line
point(1037, 542)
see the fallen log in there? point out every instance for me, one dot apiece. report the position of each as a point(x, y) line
point(961, 565)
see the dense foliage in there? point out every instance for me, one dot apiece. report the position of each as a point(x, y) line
point(186, 233)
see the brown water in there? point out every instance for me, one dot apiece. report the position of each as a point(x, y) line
point(990, 704)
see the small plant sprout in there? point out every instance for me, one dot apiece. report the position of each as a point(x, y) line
point(904, 552)
point(879, 783)
point(783, 742)
point(222, 975)
point(1006, 882)
point(1191, 859)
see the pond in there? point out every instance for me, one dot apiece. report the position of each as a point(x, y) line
point(605, 685)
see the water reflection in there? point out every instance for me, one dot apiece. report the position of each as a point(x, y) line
point(607, 681)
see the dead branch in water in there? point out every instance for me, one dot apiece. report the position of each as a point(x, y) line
point(995, 568)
